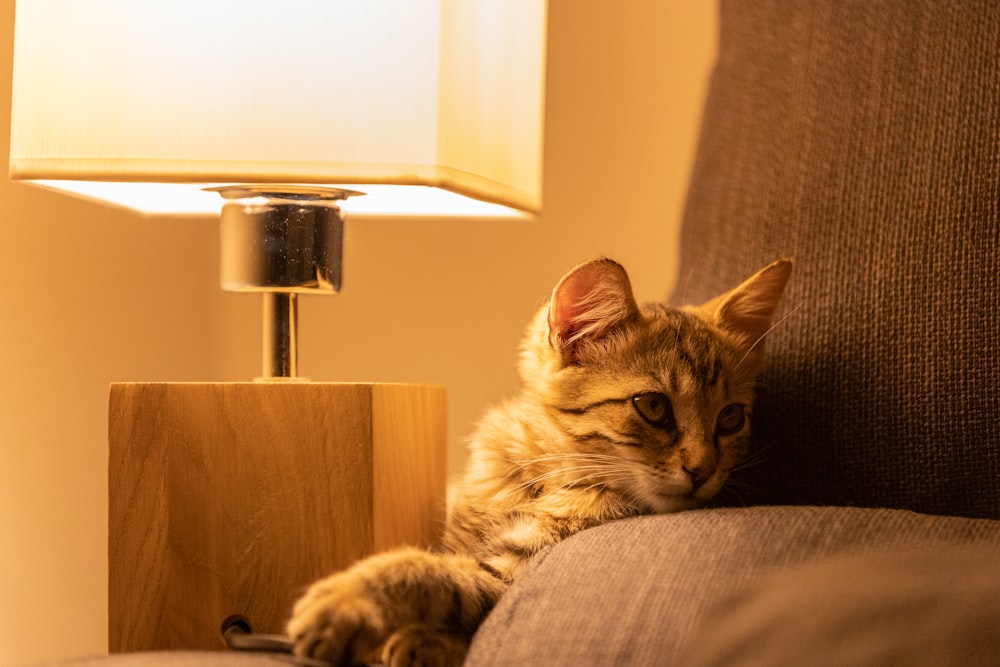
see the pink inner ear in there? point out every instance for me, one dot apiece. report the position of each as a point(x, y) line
point(569, 314)
point(589, 301)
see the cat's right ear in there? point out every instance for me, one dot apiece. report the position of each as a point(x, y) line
point(747, 311)
point(589, 303)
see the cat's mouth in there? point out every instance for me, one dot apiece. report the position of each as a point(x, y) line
point(663, 502)
point(662, 492)
point(681, 495)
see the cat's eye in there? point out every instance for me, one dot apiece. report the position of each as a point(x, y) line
point(654, 408)
point(731, 419)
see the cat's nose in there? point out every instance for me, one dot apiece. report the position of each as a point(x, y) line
point(699, 474)
point(699, 464)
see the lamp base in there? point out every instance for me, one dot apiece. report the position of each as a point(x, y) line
point(229, 499)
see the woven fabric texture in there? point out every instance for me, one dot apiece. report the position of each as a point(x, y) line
point(915, 608)
point(631, 592)
point(862, 139)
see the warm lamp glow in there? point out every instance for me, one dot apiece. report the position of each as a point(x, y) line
point(444, 94)
point(391, 201)
point(290, 111)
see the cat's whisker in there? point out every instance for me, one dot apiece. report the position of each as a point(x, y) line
point(558, 472)
point(594, 459)
point(754, 385)
point(564, 456)
point(769, 330)
point(604, 474)
point(575, 464)
point(687, 281)
point(733, 488)
point(753, 459)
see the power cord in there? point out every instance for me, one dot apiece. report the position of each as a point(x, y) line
point(239, 636)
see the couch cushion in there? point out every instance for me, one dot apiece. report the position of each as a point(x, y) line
point(861, 138)
point(916, 608)
point(631, 592)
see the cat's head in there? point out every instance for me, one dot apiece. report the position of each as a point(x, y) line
point(656, 400)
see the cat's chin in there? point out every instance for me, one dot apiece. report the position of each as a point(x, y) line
point(663, 503)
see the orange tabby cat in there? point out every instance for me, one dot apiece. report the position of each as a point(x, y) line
point(624, 410)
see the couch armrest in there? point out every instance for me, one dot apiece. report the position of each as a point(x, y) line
point(632, 592)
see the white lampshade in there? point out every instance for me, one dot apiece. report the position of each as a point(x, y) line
point(143, 102)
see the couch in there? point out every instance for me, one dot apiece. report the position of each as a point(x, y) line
point(862, 138)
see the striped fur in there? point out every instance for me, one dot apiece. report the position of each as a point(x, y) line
point(624, 410)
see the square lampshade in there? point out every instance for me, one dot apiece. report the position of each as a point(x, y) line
point(146, 103)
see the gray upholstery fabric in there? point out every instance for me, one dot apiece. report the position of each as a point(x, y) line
point(632, 592)
point(922, 608)
point(862, 139)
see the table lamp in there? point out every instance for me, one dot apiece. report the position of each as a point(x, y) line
point(225, 499)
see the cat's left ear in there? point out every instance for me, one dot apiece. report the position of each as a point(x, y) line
point(589, 303)
point(747, 311)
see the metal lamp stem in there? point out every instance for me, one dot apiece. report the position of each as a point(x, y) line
point(280, 335)
point(283, 241)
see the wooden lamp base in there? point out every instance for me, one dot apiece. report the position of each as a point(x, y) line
point(229, 499)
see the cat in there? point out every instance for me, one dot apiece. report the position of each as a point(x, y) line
point(624, 410)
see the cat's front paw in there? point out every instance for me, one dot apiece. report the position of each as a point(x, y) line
point(404, 608)
point(420, 646)
point(338, 621)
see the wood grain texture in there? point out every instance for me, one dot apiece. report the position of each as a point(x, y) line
point(230, 498)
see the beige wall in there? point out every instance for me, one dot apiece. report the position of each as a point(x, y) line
point(90, 295)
